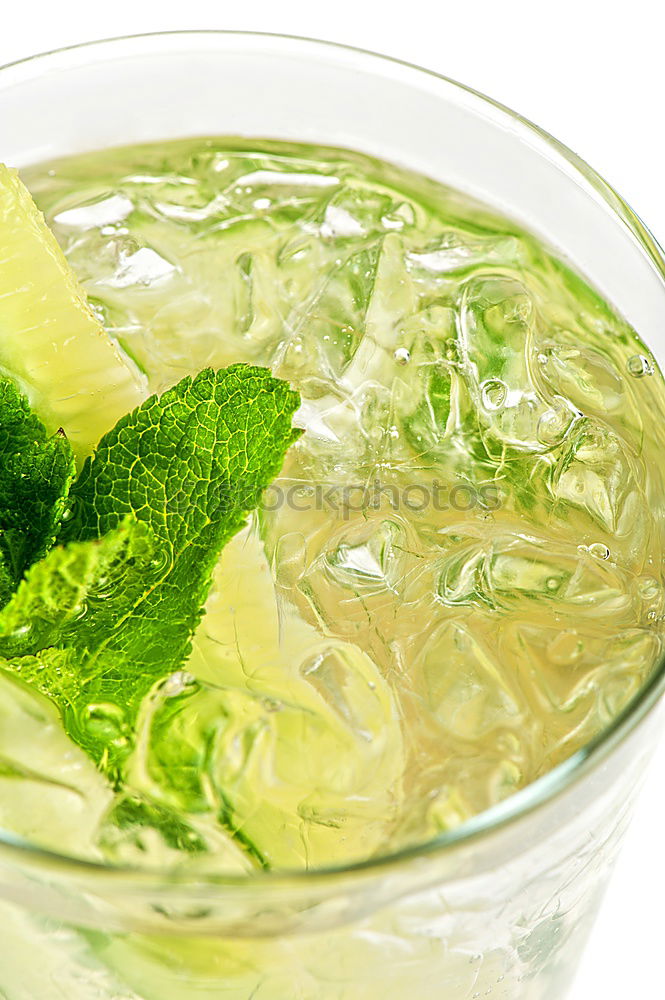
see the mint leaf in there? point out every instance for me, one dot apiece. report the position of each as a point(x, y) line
point(99, 621)
point(54, 634)
point(35, 474)
point(67, 597)
point(190, 463)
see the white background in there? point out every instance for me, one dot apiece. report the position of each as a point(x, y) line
point(589, 72)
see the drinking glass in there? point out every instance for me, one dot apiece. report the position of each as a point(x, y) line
point(500, 907)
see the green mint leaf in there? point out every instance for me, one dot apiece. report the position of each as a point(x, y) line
point(35, 475)
point(67, 597)
point(99, 621)
point(190, 465)
point(53, 634)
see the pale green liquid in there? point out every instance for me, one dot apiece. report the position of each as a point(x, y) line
point(365, 678)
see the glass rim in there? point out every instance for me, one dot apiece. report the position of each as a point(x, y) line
point(538, 793)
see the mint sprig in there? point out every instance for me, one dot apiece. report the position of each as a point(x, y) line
point(36, 471)
point(112, 610)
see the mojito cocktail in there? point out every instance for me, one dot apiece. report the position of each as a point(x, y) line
point(331, 518)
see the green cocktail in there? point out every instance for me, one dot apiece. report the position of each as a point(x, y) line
point(452, 584)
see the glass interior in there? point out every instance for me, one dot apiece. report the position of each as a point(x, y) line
point(141, 89)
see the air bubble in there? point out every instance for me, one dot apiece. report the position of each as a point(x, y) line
point(493, 393)
point(402, 356)
point(105, 721)
point(639, 366)
point(598, 550)
point(649, 588)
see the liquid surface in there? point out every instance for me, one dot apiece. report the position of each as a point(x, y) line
point(457, 580)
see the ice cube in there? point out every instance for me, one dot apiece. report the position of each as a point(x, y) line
point(427, 424)
point(393, 299)
point(365, 576)
point(370, 559)
point(498, 321)
point(468, 691)
point(597, 474)
point(50, 791)
point(325, 319)
point(298, 780)
point(584, 376)
point(576, 679)
point(287, 729)
point(458, 250)
point(509, 570)
point(143, 267)
point(461, 578)
point(109, 210)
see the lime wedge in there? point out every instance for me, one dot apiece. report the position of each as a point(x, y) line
point(51, 342)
